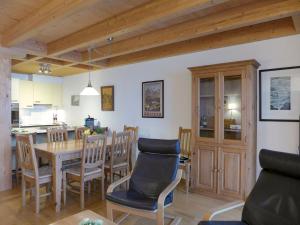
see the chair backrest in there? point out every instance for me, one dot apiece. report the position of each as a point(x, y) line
point(156, 166)
point(275, 198)
point(79, 132)
point(184, 137)
point(120, 148)
point(26, 153)
point(134, 132)
point(105, 129)
point(57, 134)
point(94, 150)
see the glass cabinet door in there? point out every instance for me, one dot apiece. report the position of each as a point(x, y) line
point(232, 107)
point(207, 107)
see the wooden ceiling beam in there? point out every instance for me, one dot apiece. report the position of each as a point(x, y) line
point(296, 20)
point(82, 66)
point(32, 47)
point(53, 61)
point(28, 58)
point(263, 31)
point(233, 18)
point(126, 22)
point(48, 14)
point(15, 61)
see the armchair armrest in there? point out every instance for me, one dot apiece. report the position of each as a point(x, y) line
point(227, 207)
point(168, 189)
point(117, 183)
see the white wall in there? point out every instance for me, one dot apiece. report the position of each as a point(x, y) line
point(127, 80)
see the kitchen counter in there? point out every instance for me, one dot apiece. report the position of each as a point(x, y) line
point(39, 129)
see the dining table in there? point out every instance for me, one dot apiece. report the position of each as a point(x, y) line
point(57, 153)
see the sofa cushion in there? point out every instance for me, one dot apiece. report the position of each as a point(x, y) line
point(135, 200)
point(153, 173)
point(279, 162)
point(159, 146)
point(275, 198)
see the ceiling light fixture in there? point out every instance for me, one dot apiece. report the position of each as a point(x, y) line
point(89, 90)
point(45, 68)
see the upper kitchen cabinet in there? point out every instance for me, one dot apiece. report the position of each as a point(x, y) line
point(25, 94)
point(15, 90)
point(56, 95)
point(29, 93)
point(42, 93)
point(48, 94)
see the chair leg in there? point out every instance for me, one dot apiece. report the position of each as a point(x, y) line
point(82, 195)
point(95, 185)
point(65, 187)
point(111, 177)
point(23, 191)
point(37, 197)
point(187, 178)
point(160, 220)
point(89, 187)
point(102, 187)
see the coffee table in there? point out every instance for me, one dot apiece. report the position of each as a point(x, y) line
point(76, 218)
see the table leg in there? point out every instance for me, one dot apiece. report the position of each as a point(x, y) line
point(57, 179)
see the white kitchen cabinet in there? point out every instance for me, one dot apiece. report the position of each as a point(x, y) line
point(25, 94)
point(56, 95)
point(42, 93)
point(15, 90)
point(29, 93)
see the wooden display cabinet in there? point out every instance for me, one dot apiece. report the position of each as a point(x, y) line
point(224, 129)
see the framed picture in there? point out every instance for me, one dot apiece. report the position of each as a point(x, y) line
point(153, 99)
point(279, 94)
point(107, 98)
point(75, 100)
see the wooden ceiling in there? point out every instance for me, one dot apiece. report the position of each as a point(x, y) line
point(60, 32)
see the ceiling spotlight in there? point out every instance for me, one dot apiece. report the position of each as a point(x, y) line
point(45, 68)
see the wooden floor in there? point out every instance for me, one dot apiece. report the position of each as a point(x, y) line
point(189, 206)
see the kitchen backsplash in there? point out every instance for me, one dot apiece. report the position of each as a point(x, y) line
point(41, 115)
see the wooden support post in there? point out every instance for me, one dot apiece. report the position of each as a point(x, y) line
point(5, 123)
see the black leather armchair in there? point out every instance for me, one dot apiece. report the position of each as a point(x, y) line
point(151, 183)
point(275, 198)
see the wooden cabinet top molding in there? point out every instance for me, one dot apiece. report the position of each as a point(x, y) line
point(226, 66)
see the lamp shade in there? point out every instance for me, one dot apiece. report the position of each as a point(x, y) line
point(89, 90)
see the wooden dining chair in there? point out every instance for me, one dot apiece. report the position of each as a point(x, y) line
point(18, 164)
point(79, 132)
point(31, 174)
point(184, 137)
point(118, 162)
point(57, 134)
point(92, 166)
point(134, 131)
point(60, 135)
